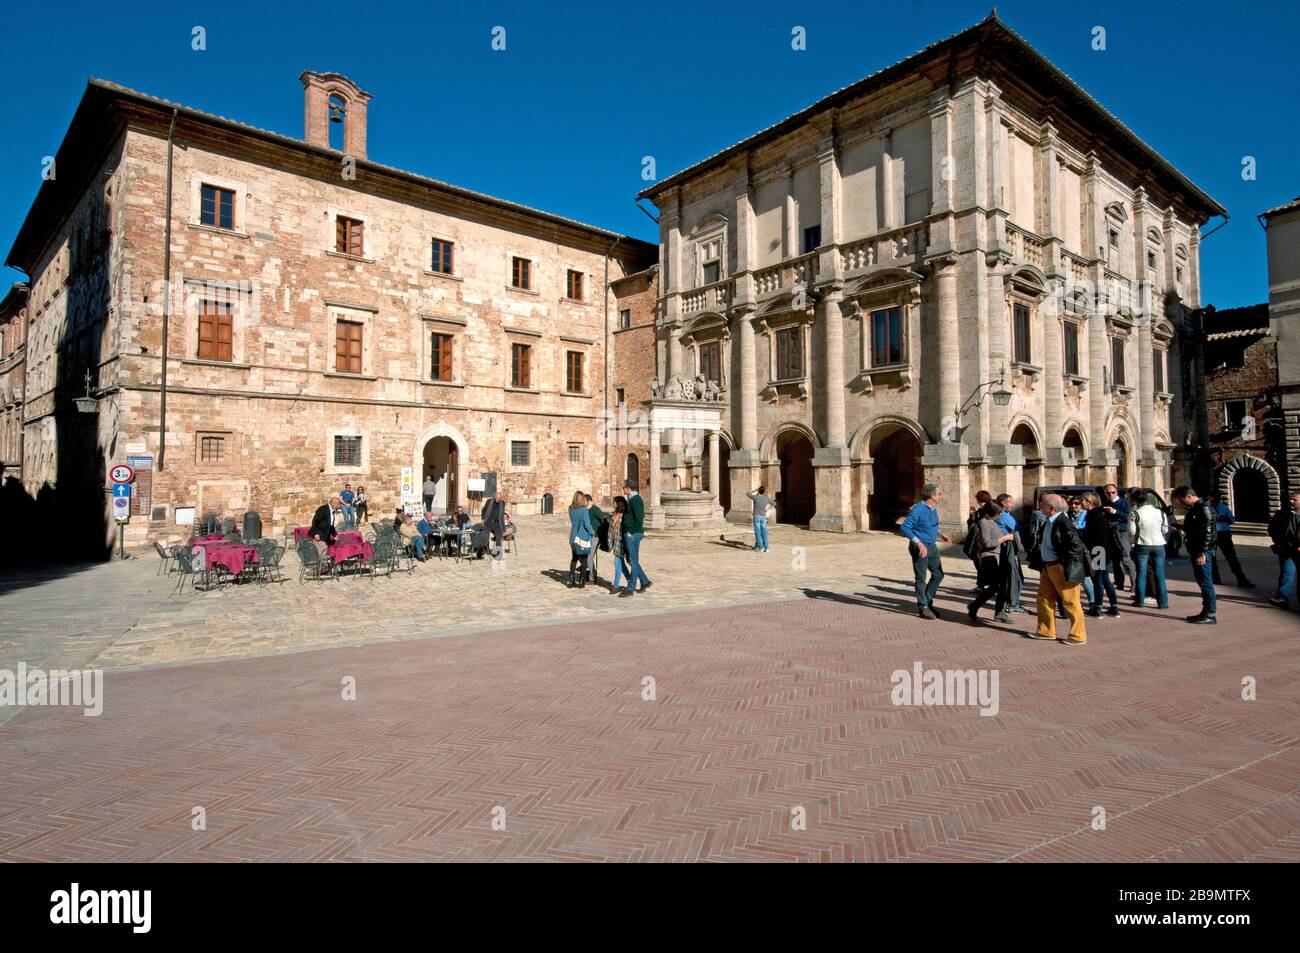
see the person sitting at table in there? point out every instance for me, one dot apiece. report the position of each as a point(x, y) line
point(322, 525)
point(428, 529)
point(459, 519)
point(410, 535)
point(349, 512)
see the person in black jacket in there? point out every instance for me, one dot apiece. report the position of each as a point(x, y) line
point(1284, 530)
point(1103, 552)
point(1061, 558)
point(1117, 509)
point(1201, 537)
point(322, 524)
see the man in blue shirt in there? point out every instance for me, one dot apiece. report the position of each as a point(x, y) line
point(1117, 509)
point(1223, 521)
point(349, 511)
point(922, 531)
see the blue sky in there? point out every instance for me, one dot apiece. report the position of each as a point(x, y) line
point(562, 118)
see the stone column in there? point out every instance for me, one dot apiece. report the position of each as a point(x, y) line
point(944, 363)
point(714, 468)
point(831, 463)
point(654, 511)
point(744, 462)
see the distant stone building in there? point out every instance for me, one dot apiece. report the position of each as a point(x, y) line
point(1244, 411)
point(961, 269)
point(13, 346)
point(1282, 228)
point(632, 368)
point(330, 320)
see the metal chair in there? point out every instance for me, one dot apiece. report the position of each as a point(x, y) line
point(269, 555)
point(185, 567)
point(166, 557)
point(312, 565)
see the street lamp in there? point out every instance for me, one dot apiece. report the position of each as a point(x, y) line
point(87, 404)
point(999, 390)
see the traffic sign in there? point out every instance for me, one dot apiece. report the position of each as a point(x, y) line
point(121, 502)
point(121, 474)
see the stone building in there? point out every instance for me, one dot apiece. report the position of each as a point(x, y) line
point(1282, 229)
point(1244, 412)
point(961, 269)
point(13, 346)
point(632, 367)
point(328, 320)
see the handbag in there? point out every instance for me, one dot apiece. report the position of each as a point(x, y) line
point(581, 543)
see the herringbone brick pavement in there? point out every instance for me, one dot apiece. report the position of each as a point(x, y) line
point(758, 711)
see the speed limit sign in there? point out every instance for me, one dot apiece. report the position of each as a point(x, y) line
point(121, 474)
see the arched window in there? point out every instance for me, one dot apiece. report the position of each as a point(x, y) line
point(338, 118)
point(634, 469)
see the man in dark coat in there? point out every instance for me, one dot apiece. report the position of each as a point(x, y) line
point(494, 520)
point(322, 524)
point(1061, 558)
point(1284, 530)
point(1201, 535)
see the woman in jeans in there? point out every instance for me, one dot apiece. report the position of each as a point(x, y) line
point(994, 571)
point(1102, 551)
point(621, 569)
point(1149, 527)
point(581, 534)
point(362, 503)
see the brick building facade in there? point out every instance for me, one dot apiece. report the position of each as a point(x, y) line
point(329, 320)
point(1244, 412)
point(632, 368)
point(13, 347)
point(861, 276)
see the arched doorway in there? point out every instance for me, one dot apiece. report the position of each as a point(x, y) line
point(796, 500)
point(632, 469)
point(724, 461)
point(1250, 496)
point(1123, 474)
point(896, 475)
point(1023, 437)
point(441, 462)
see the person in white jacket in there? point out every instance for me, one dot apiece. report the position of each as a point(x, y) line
point(1148, 526)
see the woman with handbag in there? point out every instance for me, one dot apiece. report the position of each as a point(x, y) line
point(621, 569)
point(580, 537)
point(993, 571)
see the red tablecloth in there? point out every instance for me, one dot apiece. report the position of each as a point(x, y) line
point(341, 551)
point(195, 540)
point(231, 556)
point(351, 536)
point(301, 532)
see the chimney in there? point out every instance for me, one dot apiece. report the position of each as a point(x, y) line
point(330, 97)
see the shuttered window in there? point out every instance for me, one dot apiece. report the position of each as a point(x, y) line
point(349, 236)
point(521, 273)
point(347, 347)
point(789, 354)
point(216, 327)
point(440, 368)
point(521, 356)
point(573, 372)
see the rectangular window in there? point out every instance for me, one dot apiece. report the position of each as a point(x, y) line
point(789, 354)
point(347, 451)
point(1158, 369)
point(1178, 276)
point(521, 357)
point(712, 272)
point(216, 325)
point(575, 453)
point(573, 372)
point(1151, 259)
point(348, 236)
point(217, 207)
point(347, 347)
point(621, 397)
point(521, 273)
point(886, 337)
point(1021, 334)
point(812, 239)
point(443, 262)
point(711, 361)
point(520, 453)
point(212, 449)
point(624, 319)
point(1234, 413)
point(1117, 361)
point(1071, 349)
point(440, 368)
point(573, 285)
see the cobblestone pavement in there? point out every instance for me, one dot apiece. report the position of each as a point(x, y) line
point(769, 714)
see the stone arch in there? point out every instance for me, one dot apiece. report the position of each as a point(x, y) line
point(1080, 444)
point(1120, 434)
point(860, 442)
point(767, 446)
point(1246, 461)
point(442, 429)
point(1024, 420)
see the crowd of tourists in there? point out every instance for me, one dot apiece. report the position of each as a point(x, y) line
point(620, 533)
point(347, 510)
point(1086, 550)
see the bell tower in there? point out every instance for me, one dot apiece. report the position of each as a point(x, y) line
point(333, 99)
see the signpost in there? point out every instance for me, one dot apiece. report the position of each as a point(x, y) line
point(143, 467)
point(121, 475)
point(409, 493)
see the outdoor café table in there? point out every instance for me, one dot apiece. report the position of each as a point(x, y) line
point(230, 556)
point(349, 536)
point(341, 551)
point(196, 540)
point(300, 533)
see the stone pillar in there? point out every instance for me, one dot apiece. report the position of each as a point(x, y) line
point(714, 469)
point(743, 464)
point(654, 514)
point(946, 466)
point(945, 362)
point(831, 463)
